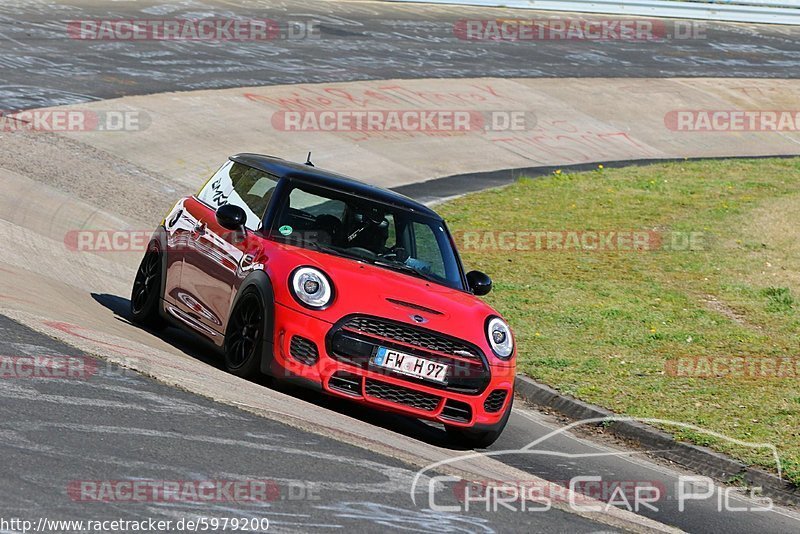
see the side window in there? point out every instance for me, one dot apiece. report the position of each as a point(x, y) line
point(217, 190)
point(252, 190)
point(244, 186)
point(428, 248)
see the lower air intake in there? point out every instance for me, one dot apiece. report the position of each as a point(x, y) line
point(495, 400)
point(457, 411)
point(401, 395)
point(346, 383)
point(303, 350)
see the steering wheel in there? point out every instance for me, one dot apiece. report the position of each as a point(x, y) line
point(397, 254)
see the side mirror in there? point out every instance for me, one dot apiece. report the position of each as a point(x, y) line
point(231, 216)
point(479, 283)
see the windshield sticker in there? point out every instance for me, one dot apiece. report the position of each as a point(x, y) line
point(285, 229)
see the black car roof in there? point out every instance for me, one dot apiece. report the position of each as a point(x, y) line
point(313, 175)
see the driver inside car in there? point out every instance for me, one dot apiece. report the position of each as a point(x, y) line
point(365, 228)
point(369, 230)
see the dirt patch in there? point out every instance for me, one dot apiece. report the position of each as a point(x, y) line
point(712, 303)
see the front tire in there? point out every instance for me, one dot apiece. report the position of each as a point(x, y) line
point(146, 291)
point(479, 439)
point(245, 336)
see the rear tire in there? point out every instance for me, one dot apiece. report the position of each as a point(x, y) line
point(479, 439)
point(245, 336)
point(146, 291)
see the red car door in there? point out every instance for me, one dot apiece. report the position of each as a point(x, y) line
point(209, 267)
point(215, 256)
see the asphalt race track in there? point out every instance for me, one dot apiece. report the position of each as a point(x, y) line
point(118, 424)
point(138, 425)
point(360, 41)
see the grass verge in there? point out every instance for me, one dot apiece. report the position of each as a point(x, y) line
point(656, 332)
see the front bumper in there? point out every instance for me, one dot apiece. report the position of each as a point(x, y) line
point(337, 361)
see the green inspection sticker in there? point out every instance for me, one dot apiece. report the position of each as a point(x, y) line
point(285, 229)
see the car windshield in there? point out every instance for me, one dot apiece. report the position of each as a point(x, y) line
point(338, 223)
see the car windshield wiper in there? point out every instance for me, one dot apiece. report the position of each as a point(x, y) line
point(316, 246)
point(336, 251)
point(406, 269)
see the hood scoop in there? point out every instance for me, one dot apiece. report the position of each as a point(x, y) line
point(414, 306)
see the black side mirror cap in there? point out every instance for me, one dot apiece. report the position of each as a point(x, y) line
point(231, 217)
point(479, 283)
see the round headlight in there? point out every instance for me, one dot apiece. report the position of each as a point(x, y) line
point(499, 335)
point(311, 287)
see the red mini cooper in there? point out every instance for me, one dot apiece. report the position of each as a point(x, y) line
point(310, 276)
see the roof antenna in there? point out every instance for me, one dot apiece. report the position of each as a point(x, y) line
point(308, 160)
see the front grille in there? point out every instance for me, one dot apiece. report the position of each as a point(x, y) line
point(303, 350)
point(401, 395)
point(347, 383)
point(495, 400)
point(356, 339)
point(417, 337)
point(456, 411)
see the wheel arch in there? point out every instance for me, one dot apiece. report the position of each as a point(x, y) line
point(260, 282)
point(159, 237)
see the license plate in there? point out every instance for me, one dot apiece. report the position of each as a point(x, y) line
point(410, 365)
